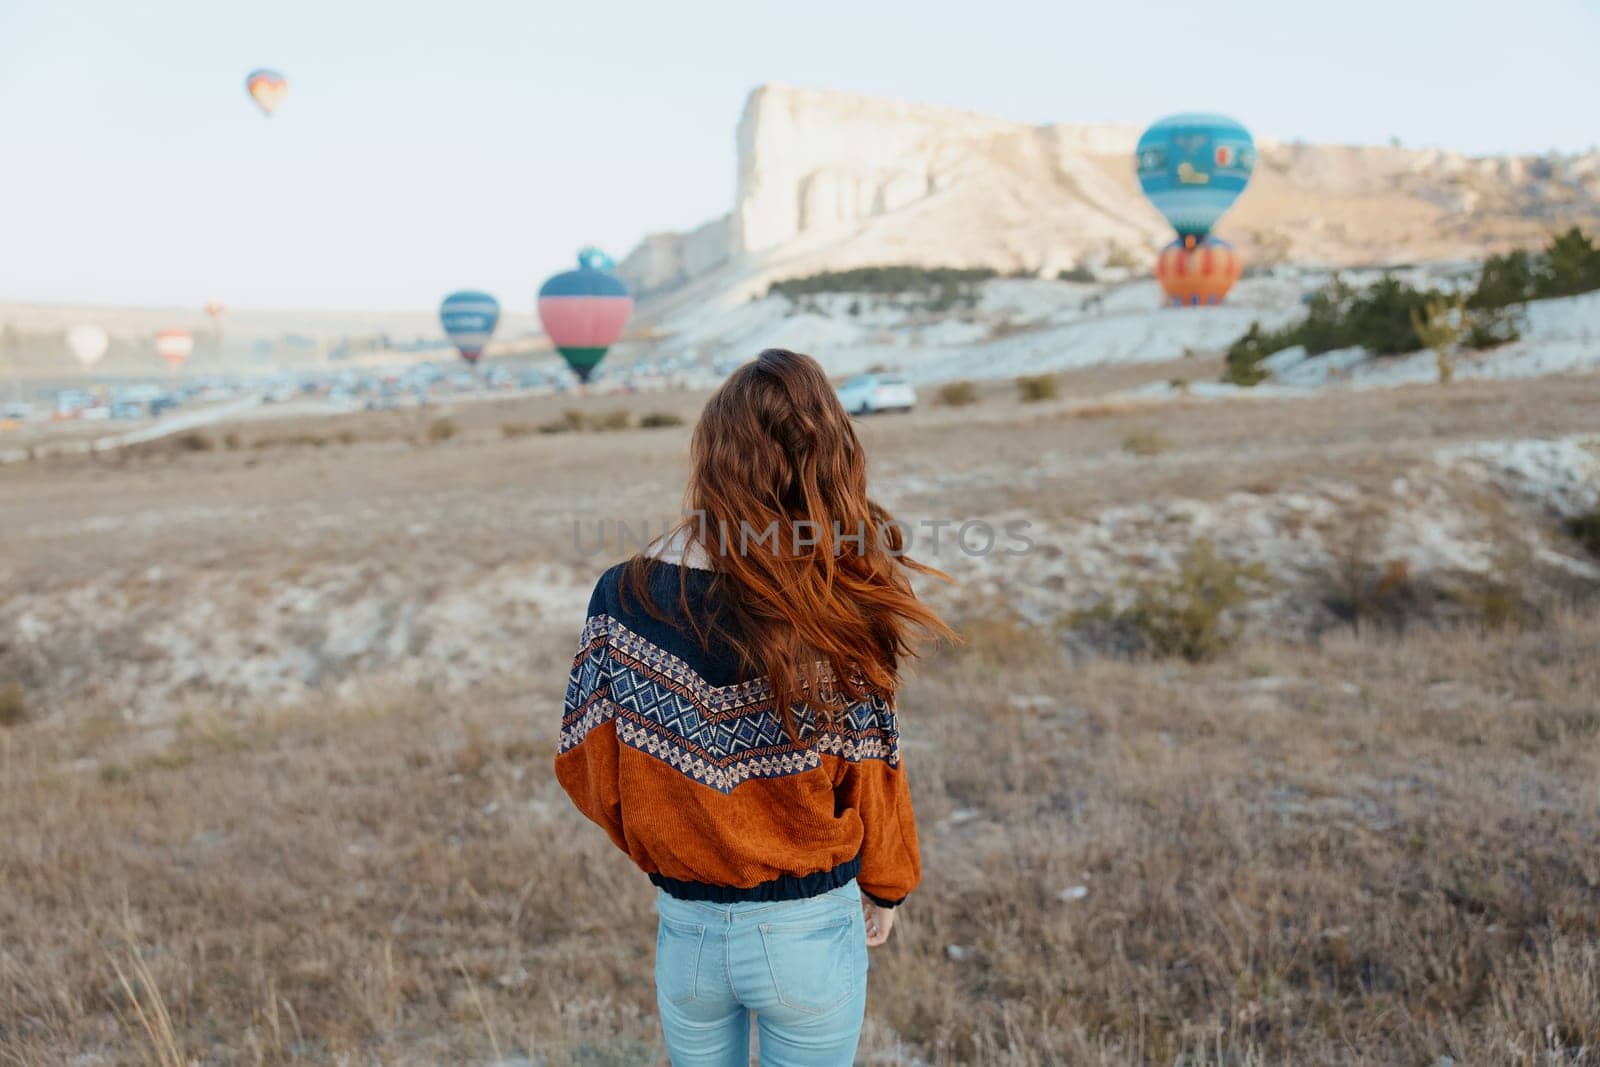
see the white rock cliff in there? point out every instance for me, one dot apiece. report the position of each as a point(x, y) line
point(831, 180)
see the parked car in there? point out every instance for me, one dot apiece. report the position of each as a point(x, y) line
point(868, 394)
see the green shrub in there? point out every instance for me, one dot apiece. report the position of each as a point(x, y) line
point(656, 420)
point(1382, 317)
point(1493, 327)
point(608, 421)
point(440, 430)
point(1186, 614)
point(193, 441)
point(957, 394)
point(890, 281)
point(1502, 281)
point(1080, 273)
point(1245, 355)
point(511, 431)
point(1032, 388)
point(1570, 265)
point(938, 289)
point(1585, 529)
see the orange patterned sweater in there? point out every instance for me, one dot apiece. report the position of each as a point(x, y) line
point(686, 766)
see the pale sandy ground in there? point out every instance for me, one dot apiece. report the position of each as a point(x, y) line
point(297, 556)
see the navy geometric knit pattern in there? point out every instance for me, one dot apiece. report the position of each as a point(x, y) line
point(720, 736)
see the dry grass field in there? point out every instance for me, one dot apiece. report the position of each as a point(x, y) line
point(278, 708)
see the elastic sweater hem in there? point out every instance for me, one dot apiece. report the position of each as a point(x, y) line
point(783, 887)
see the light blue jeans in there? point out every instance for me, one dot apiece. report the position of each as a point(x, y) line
point(800, 965)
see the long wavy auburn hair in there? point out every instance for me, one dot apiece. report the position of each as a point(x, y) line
point(809, 572)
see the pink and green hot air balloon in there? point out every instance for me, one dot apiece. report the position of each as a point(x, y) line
point(584, 312)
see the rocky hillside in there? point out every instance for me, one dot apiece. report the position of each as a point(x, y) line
point(832, 180)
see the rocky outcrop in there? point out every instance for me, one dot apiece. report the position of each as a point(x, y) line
point(666, 260)
point(832, 180)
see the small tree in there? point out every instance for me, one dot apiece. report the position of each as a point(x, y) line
point(1245, 355)
point(1439, 325)
point(1571, 265)
point(1504, 280)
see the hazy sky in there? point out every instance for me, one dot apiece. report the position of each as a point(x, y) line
point(432, 146)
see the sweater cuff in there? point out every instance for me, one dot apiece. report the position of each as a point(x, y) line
point(883, 902)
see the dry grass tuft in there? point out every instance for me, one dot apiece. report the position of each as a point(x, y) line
point(1146, 442)
point(610, 421)
point(957, 394)
point(1034, 388)
point(13, 705)
point(193, 441)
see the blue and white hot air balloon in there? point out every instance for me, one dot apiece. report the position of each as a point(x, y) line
point(1193, 167)
point(469, 318)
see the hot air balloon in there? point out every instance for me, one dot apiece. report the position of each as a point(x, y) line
point(1193, 167)
point(267, 88)
point(584, 311)
point(1199, 275)
point(215, 309)
point(88, 344)
point(174, 346)
point(469, 319)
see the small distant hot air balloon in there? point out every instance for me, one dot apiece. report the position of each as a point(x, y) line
point(1192, 168)
point(584, 311)
point(469, 318)
point(88, 344)
point(215, 309)
point(174, 346)
point(592, 258)
point(267, 88)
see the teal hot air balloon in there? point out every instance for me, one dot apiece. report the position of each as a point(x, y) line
point(469, 318)
point(584, 312)
point(1193, 167)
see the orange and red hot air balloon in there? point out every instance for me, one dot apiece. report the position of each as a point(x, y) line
point(267, 88)
point(1197, 273)
point(174, 346)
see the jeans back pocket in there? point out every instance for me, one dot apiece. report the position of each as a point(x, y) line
point(678, 959)
point(813, 961)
